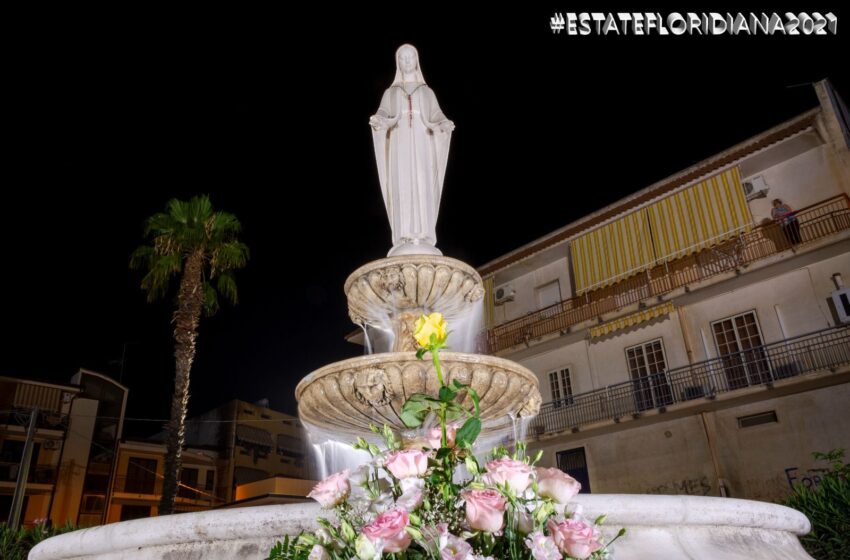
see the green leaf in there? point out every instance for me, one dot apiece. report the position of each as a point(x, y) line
point(414, 532)
point(348, 531)
point(420, 353)
point(447, 394)
point(473, 394)
point(469, 431)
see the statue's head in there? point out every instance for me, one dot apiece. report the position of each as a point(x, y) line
point(407, 63)
point(407, 59)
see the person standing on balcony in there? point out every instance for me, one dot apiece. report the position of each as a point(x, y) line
point(784, 216)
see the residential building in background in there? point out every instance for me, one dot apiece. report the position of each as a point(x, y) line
point(83, 473)
point(78, 429)
point(689, 339)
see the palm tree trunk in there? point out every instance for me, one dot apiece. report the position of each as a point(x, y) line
point(190, 301)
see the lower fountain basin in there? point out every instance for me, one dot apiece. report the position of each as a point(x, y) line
point(658, 527)
point(346, 397)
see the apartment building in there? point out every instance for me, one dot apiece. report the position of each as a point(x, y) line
point(688, 339)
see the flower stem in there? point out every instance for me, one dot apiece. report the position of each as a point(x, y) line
point(435, 357)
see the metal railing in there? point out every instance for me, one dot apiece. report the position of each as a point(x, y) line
point(46, 420)
point(760, 365)
point(816, 222)
point(152, 487)
point(39, 474)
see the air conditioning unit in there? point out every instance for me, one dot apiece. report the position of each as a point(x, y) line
point(755, 188)
point(503, 293)
point(841, 299)
point(52, 444)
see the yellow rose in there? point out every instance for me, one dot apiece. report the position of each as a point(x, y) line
point(425, 326)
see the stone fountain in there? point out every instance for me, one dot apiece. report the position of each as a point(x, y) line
point(411, 137)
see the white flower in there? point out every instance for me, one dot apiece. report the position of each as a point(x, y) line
point(542, 547)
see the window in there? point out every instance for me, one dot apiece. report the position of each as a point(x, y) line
point(561, 386)
point(129, 512)
point(209, 485)
point(739, 344)
point(141, 476)
point(648, 367)
point(188, 483)
point(757, 419)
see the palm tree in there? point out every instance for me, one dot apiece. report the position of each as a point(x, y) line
point(200, 245)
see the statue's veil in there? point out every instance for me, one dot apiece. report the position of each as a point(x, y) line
point(397, 81)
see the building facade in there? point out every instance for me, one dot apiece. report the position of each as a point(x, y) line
point(78, 429)
point(253, 443)
point(688, 339)
point(137, 486)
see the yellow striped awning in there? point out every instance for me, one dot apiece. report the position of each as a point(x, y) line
point(612, 252)
point(489, 303)
point(699, 216)
point(629, 320)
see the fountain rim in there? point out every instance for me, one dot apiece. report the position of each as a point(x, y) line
point(408, 259)
point(266, 522)
point(447, 358)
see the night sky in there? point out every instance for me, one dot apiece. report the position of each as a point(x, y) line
point(109, 115)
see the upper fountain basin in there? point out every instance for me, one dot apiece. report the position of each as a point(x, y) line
point(346, 397)
point(382, 288)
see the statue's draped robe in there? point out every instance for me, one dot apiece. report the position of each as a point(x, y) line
point(411, 162)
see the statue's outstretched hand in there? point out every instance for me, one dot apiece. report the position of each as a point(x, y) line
point(377, 122)
point(445, 126)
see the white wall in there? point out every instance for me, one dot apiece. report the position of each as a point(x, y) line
point(785, 306)
point(526, 299)
point(800, 181)
point(573, 356)
point(608, 353)
point(673, 457)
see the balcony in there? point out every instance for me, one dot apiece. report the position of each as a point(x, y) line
point(759, 366)
point(816, 222)
point(151, 488)
point(46, 420)
point(39, 474)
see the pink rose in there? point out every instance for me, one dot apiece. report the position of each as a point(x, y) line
point(515, 473)
point(556, 484)
point(485, 509)
point(333, 490)
point(574, 537)
point(435, 436)
point(388, 529)
point(407, 463)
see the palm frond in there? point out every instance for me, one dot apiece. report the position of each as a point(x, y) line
point(225, 226)
point(226, 286)
point(228, 256)
point(210, 300)
point(141, 256)
point(160, 270)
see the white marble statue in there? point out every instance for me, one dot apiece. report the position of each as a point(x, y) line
point(412, 137)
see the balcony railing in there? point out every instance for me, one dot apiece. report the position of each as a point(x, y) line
point(816, 222)
point(39, 474)
point(152, 487)
point(758, 366)
point(46, 420)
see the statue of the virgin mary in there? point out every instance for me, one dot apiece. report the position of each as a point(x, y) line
point(412, 137)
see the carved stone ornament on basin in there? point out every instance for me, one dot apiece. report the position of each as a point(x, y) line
point(345, 397)
point(388, 286)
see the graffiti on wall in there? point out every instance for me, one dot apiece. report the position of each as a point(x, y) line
point(810, 478)
point(699, 486)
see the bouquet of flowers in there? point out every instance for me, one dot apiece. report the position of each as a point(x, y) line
point(410, 502)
